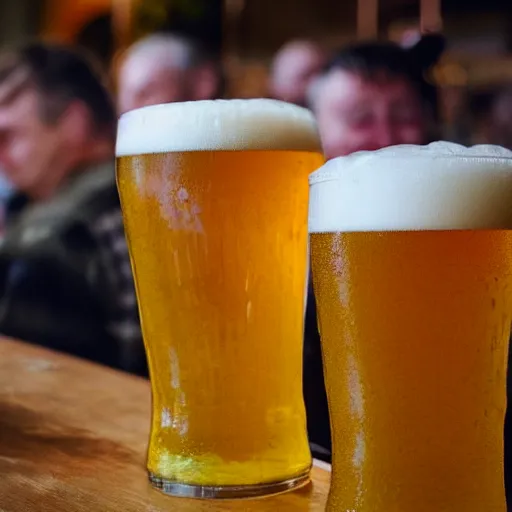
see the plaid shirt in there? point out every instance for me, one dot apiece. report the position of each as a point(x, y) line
point(123, 321)
point(67, 271)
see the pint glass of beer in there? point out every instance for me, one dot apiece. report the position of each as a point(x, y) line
point(215, 202)
point(412, 270)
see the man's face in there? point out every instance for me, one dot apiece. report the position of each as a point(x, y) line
point(356, 114)
point(141, 86)
point(29, 148)
point(294, 73)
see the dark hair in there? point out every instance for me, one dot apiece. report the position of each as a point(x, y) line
point(200, 54)
point(60, 75)
point(97, 37)
point(371, 60)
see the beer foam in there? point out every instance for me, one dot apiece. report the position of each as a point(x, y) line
point(435, 187)
point(217, 125)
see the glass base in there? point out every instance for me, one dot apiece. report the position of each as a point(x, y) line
point(227, 492)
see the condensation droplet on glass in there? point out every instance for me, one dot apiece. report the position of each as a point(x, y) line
point(175, 368)
point(166, 418)
point(183, 194)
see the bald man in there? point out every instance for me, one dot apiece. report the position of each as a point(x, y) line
point(295, 65)
point(165, 68)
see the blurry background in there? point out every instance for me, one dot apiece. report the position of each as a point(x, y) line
point(248, 32)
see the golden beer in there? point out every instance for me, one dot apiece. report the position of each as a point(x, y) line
point(415, 323)
point(216, 222)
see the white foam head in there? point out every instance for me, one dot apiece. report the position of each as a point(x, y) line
point(434, 187)
point(217, 125)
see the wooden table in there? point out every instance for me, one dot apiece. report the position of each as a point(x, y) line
point(73, 438)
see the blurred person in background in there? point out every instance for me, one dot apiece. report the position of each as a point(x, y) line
point(65, 277)
point(485, 117)
point(295, 65)
point(372, 95)
point(472, 124)
point(500, 129)
point(6, 192)
point(166, 68)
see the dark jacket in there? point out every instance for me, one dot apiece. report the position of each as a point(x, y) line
point(54, 286)
point(313, 383)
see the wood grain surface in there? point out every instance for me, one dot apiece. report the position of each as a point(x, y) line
point(73, 438)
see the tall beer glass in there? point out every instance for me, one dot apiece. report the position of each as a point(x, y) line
point(215, 202)
point(412, 269)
